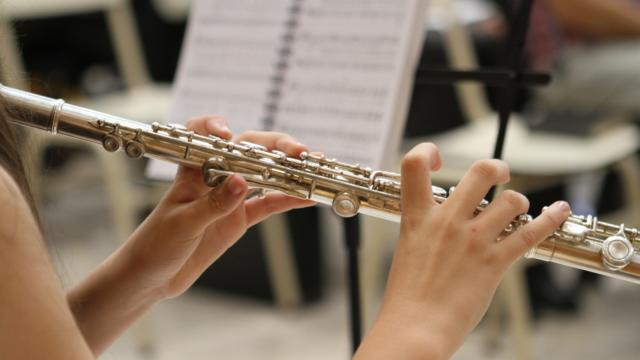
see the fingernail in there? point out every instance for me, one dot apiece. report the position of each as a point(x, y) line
point(561, 205)
point(235, 185)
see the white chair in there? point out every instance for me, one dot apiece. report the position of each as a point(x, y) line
point(536, 160)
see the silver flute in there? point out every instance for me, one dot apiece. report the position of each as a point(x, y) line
point(581, 242)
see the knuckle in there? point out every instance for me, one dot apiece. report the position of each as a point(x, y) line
point(219, 119)
point(475, 239)
point(193, 123)
point(549, 221)
point(447, 225)
point(485, 169)
point(412, 221)
point(247, 135)
point(475, 245)
point(414, 160)
point(280, 135)
point(216, 203)
point(529, 237)
point(473, 232)
point(517, 201)
point(490, 258)
point(269, 207)
point(429, 147)
point(284, 140)
point(492, 169)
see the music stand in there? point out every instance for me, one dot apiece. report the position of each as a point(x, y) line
point(509, 79)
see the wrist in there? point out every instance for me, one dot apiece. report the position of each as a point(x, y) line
point(131, 273)
point(428, 329)
point(117, 278)
point(389, 338)
point(106, 302)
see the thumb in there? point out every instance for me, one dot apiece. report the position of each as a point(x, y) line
point(217, 203)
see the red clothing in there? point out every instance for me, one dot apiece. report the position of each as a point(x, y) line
point(546, 38)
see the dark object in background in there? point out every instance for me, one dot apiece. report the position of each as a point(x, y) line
point(433, 108)
point(57, 51)
point(242, 269)
point(572, 121)
point(161, 40)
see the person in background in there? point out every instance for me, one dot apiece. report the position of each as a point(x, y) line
point(447, 264)
point(593, 48)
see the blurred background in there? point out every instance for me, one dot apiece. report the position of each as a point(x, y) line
point(574, 140)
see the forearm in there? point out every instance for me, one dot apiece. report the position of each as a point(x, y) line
point(386, 341)
point(108, 301)
point(597, 19)
point(410, 332)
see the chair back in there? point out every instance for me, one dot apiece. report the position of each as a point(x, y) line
point(461, 55)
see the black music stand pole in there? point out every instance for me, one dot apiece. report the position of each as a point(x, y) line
point(352, 242)
point(515, 51)
point(509, 79)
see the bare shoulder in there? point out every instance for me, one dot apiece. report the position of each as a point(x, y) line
point(15, 213)
point(8, 187)
point(36, 320)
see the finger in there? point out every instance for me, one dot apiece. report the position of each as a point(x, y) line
point(208, 250)
point(475, 184)
point(416, 194)
point(210, 125)
point(188, 185)
point(258, 209)
point(501, 212)
point(188, 182)
point(528, 236)
point(274, 141)
point(216, 203)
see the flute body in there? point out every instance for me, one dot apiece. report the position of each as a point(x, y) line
point(582, 242)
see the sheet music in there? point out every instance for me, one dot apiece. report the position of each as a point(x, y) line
point(335, 74)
